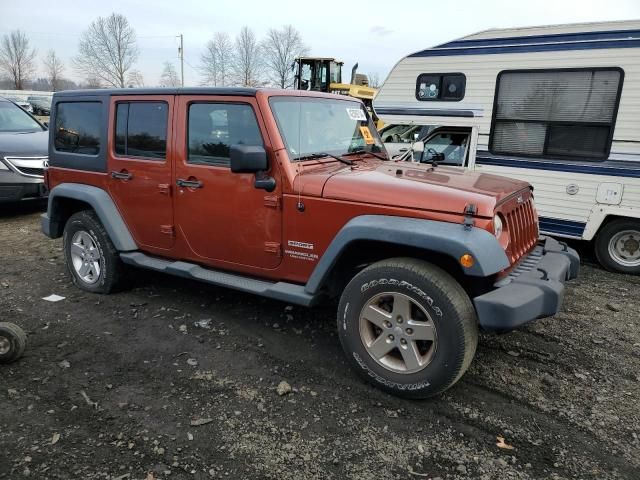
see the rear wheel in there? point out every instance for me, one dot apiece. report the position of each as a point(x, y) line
point(92, 260)
point(13, 341)
point(407, 327)
point(617, 246)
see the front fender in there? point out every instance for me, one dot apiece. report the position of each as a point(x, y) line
point(53, 221)
point(450, 239)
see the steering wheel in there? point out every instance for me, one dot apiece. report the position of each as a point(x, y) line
point(434, 156)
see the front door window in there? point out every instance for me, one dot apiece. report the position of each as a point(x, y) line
point(453, 145)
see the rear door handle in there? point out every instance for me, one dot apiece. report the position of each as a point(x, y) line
point(189, 183)
point(124, 175)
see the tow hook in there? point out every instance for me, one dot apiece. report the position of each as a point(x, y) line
point(469, 211)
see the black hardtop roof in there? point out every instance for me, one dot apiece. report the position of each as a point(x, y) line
point(107, 92)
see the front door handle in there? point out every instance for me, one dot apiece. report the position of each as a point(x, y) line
point(189, 183)
point(123, 175)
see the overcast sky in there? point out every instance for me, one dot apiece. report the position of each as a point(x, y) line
point(374, 33)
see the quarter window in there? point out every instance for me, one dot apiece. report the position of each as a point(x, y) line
point(77, 128)
point(141, 129)
point(440, 87)
point(556, 113)
point(214, 127)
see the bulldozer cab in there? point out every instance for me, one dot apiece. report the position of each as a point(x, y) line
point(317, 74)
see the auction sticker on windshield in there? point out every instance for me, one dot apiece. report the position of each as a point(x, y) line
point(366, 134)
point(356, 114)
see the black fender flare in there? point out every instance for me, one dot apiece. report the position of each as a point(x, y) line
point(101, 203)
point(450, 239)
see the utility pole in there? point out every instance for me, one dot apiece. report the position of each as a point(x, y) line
point(181, 53)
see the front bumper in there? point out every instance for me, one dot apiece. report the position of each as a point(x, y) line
point(15, 187)
point(533, 289)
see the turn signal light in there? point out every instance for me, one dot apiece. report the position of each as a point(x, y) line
point(467, 260)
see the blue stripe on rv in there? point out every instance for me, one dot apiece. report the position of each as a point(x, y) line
point(561, 227)
point(546, 47)
point(554, 37)
point(609, 167)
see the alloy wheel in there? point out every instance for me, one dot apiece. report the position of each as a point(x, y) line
point(397, 332)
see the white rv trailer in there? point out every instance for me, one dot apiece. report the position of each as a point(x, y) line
point(558, 106)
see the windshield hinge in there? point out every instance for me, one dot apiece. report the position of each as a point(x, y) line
point(469, 211)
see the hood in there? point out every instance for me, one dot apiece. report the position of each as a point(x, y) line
point(24, 144)
point(420, 186)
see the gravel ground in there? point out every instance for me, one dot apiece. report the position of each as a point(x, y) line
point(174, 379)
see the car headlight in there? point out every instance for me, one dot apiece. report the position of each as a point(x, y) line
point(497, 226)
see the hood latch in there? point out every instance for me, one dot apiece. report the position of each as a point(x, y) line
point(469, 211)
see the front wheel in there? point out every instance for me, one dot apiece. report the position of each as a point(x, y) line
point(617, 246)
point(407, 327)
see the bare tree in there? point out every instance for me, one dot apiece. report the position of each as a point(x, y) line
point(17, 58)
point(92, 82)
point(216, 62)
point(374, 80)
point(54, 69)
point(280, 48)
point(248, 64)
point(169, 77)
point(108, 50)
point(135, 79)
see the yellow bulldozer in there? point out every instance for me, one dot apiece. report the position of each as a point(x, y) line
point(325, 75)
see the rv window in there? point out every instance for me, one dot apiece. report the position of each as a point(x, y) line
point(440, 86)
point(556, 113)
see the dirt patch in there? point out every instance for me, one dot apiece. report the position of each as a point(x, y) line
point(175, 379)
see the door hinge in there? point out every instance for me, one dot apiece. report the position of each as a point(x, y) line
point(165, 188)
point(272, 201)
point(167, 230)
point(272, 247)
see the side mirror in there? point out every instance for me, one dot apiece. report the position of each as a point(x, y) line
point(417, 147)
point(247, 159)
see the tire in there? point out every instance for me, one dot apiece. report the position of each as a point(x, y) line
point(84, 233)
point(13, 341)
point(438, 309)
point(617, 246)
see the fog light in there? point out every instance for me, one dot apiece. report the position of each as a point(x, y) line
point(467, 260)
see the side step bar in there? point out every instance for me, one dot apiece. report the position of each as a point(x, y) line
point(286, 292)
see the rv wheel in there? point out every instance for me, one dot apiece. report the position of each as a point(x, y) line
point(617, 246)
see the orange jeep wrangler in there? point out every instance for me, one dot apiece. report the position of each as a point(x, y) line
point(290, 195)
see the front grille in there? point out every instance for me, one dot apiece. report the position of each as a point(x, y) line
point(522, 224)
point(38, 172)
point(27, 166)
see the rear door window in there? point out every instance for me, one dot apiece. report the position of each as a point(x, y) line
point(77, 127)
point(141, 129)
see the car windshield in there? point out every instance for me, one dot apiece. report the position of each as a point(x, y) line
point(311, 126)
point(14, 119)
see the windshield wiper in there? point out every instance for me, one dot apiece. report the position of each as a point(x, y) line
point(324, 154)
point(377, 155)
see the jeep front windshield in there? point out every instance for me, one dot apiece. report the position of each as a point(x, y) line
point(312, 127)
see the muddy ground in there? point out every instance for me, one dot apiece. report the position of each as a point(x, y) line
point(129, 386)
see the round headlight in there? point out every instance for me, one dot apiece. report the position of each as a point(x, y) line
point(497, 226)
